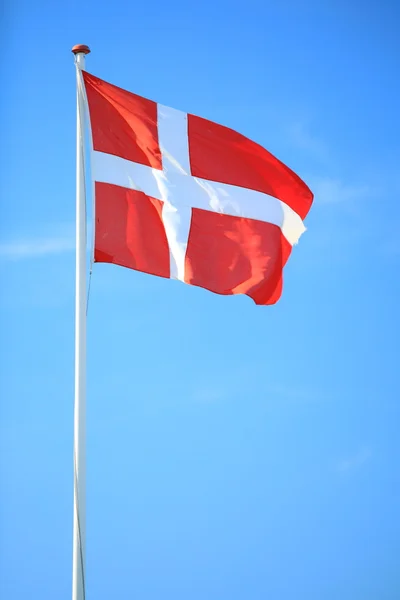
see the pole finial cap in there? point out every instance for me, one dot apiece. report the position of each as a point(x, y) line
point(81, 48)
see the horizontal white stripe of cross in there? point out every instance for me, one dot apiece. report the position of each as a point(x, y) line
point(180, 191)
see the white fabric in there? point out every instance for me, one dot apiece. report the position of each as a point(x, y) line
point(173, 139)
point(180, 191)
point(174, 145)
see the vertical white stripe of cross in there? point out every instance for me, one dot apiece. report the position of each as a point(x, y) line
point(180, 192)
point(174, 145)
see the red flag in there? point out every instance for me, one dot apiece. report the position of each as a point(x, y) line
point(182, 197)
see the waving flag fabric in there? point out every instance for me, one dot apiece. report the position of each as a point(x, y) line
point(181, 197)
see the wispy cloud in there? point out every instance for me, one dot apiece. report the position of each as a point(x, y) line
point(330, 191)
point(297, 394)
point(209, 394)
point(327, 189)
point(300, 136)
point(354, 461)
point(391, 244)
point(22, 249)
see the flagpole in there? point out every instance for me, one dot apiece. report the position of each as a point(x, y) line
point(79, 527)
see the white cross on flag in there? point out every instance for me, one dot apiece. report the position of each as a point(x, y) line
point(181, 197)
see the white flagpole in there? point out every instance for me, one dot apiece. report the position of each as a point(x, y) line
point(79, 531)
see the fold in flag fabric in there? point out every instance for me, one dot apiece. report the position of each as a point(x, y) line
point(181, 197)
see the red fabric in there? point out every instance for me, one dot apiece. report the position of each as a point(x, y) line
point(232, 255)
point(123, 124)
point(220, 154)
point(225, 254)
point(129, 230)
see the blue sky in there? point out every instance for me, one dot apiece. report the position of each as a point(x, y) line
point(234, 452)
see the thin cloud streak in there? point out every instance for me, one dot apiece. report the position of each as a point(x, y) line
point(332, 191)
point(326, 189)
point(298, 394)
point(24, 249)
point(209, 394)
point(355, 461)
point(300, 137)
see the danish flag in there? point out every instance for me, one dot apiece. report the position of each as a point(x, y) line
point(185, 198)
